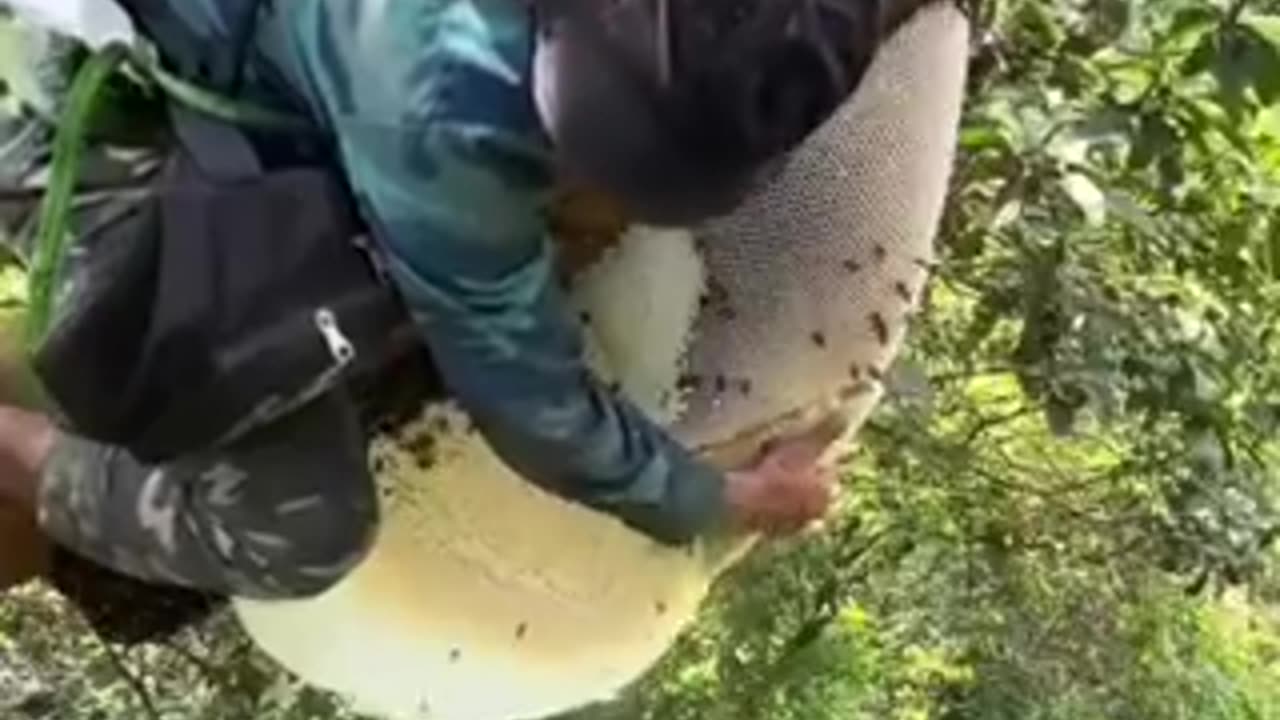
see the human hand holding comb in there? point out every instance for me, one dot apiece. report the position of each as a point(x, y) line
point(789, 486)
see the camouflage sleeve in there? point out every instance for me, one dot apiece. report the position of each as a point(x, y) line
point(455, 187)
point(283, 512)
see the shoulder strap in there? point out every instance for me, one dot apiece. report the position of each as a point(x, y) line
point(215, 104)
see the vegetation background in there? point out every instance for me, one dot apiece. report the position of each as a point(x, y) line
point(1067, 509)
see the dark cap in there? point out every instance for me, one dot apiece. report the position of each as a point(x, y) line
point(679, 107)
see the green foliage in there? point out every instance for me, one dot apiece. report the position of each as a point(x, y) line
point(1067, 509)
point(53, 668)
point(1044, 531)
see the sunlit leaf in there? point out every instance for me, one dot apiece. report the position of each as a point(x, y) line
point(1009, 213)
point(1087, 196)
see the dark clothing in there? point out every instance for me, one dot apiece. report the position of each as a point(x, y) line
point(284, 512)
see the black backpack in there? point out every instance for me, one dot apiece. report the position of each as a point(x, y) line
point(214, 302)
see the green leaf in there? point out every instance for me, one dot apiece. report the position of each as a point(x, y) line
point(1122, 206)
point(1202, 57)
point(1070, 149)
point(983, 137)
point(1193, 22)
point(1267, 27)
point(1247, 60)
point(1008, 214)
point(1087, 196)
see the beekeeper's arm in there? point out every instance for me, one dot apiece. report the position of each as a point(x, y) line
point(459, 207)
point(447, 158)
point(431, 107)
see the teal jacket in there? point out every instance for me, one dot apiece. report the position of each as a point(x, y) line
point(429, 103)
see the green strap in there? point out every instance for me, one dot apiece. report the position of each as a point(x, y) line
point(55, 207)
point(215, 105)
point(68, 148)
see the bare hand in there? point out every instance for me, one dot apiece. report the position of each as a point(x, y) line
point(25, 441)
point(787, 489)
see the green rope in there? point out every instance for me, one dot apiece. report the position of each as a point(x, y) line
point(215, 105)
point(83, 100)
point(55, 207)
